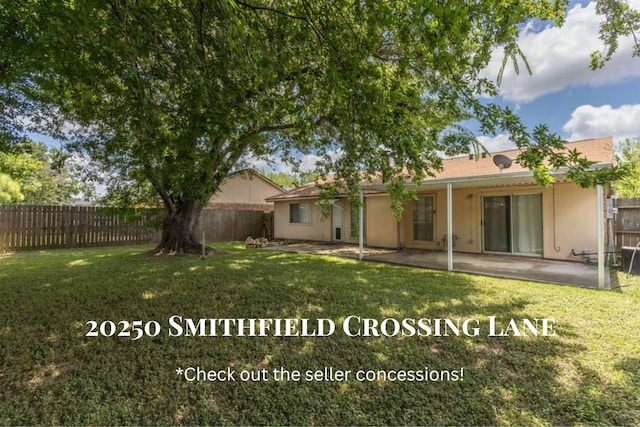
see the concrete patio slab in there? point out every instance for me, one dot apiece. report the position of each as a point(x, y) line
point(510, 267)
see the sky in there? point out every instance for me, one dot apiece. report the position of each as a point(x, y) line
point(562, 92)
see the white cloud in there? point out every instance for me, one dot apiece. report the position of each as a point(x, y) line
point(497, 143)
point(48, 125)
point(308, 162)
point(588, 121)
point(273, 163)
point(560, 56)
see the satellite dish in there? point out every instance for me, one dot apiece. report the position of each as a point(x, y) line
point(502, 161)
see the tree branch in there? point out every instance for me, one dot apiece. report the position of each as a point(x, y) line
point(270, 9)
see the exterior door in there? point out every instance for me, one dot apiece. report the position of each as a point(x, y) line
point(497, 223)
point(336, 222)
point(527, 224)
point(513, 224)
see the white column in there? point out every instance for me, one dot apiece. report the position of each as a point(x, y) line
point(600, 219)
point(361, 225)
point(449, 229)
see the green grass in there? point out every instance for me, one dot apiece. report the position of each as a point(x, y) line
point(50, 373)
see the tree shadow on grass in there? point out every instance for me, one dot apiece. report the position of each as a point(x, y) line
point(507, 380)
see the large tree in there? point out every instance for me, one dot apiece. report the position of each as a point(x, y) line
point(176, 92)
point(629, 186)
point(10, 101)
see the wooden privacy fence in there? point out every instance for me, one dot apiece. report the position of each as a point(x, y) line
point(627, 222)
point(28, 227)
point(32, 227)
point(229, 225)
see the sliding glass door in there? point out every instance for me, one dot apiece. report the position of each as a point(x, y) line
point(497, 224)
point(527, 224)
point(513, 224)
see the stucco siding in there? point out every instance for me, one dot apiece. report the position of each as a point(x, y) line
point(318, 229)
point(576, 222)
point(572, 224)
point(569, 220)
point(381, 225)
point(466, 225)
point(567, 213)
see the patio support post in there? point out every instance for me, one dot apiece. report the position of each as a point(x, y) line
point(449, 230)
point(361, 225)
point(600, 216)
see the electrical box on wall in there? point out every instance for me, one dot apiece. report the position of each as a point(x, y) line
point(611, 211)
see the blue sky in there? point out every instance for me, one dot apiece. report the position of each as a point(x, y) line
point(562, 91)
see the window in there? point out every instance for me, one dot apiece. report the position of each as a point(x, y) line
point(300, 213)
point(423, 218)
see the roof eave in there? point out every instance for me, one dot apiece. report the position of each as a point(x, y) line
point(526, 178)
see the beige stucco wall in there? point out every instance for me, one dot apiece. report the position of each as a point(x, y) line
point(571, 225)
point(576, 222)
point(381, 225)
point(319, 229)
point(244, 188)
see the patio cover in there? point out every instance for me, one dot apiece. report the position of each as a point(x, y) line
point(522, 177)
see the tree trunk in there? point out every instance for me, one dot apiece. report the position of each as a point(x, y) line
point(178, 230)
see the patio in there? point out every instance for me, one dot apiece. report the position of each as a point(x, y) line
point(510, 267)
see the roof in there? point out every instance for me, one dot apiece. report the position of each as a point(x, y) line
point(599, 150)
point(478, 171)
point(306, 191)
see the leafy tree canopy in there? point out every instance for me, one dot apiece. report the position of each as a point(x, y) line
point(175, 93)
point(290, 180)
point(283, 179)
point(629, 185)
point(620, 20)
point(9, 190)
point(31, 173)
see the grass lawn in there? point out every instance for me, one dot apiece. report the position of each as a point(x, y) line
point(51, 373)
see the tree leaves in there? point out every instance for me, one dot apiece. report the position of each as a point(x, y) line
point(629, 185)
point(620, 21)
point(9, 190)
point(31, 173)
point(176, 93)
